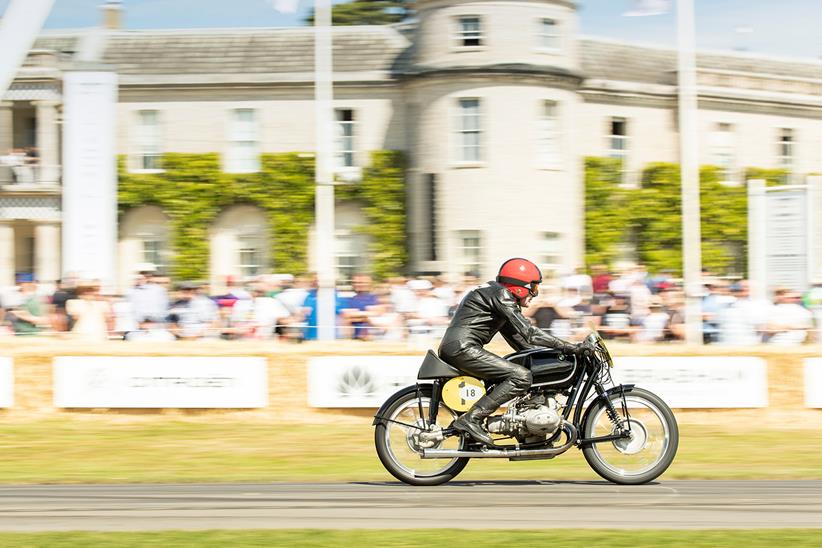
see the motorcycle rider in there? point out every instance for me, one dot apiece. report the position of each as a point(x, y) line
point(496, 307)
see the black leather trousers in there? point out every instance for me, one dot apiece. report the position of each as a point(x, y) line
point(511, 380)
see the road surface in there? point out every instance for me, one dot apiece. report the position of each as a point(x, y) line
point(473, 505)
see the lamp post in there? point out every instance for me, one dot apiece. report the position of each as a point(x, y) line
point(688, 158)
point(324, 175)
point(689, 172)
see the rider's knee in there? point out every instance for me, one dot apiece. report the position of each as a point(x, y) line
point(522, 380)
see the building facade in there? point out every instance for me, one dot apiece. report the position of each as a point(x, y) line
point(495, 103)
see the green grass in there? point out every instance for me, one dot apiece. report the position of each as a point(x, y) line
point(454, 538)
point(92, 451)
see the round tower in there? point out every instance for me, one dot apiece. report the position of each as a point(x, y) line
point(492, 101)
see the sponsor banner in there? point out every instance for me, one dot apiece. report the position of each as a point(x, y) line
point(160, 382)
point(813, 382)
point(683, 382)
point(6, 382)
point(359, 381)
point(698, 382)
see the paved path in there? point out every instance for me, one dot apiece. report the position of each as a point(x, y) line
point(509, 504)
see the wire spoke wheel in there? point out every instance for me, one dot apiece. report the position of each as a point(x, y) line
point(649, 449)
point(401, 439)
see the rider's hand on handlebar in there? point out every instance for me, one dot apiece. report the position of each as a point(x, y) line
point(584, 349)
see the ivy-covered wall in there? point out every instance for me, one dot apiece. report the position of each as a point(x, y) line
point(649, 218)
point(193, 190)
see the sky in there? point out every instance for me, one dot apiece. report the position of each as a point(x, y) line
point(773, 27)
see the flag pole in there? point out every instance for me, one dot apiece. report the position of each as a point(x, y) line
point(689, 172)
point(323, 176)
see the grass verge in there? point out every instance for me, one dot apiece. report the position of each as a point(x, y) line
point(67, 451)
point(453, 538)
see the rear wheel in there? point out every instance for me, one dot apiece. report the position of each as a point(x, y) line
point(399, 445)
point(649, 450)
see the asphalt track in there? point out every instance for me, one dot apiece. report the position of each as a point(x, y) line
point(471, 505)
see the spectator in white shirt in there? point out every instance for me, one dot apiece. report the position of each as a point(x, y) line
point(788, 321)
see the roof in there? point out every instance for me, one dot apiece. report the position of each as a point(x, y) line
point(252, 51)
point(613, 60)
point(270, 54)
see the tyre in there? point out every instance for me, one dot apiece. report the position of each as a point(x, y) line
point(647, 453)
point(398, 446)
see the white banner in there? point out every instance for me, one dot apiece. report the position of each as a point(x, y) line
point(699, 381)
point(813, 382)
point(6, 382)
point(160, 382)
point(359, 381)
point(89, 174)
point(683, 382)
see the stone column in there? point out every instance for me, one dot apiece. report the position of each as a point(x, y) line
point(6, 138)
point(47, 252)
point(6, 255)
point(48, 142)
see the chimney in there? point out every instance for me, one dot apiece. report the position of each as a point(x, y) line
point(112, 14)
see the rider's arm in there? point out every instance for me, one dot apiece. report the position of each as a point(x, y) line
point(514, 339)
point(520, 328)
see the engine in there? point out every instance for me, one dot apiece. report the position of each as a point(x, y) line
point(530, 419)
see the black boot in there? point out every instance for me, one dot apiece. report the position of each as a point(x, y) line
point(471, 421)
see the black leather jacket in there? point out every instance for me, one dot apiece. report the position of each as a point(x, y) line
point(491, 309)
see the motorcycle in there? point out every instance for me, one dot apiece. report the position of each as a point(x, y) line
point(627, 435)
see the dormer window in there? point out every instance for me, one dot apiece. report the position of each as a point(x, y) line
point(469, 31)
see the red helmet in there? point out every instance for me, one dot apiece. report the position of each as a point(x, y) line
point(521, 277)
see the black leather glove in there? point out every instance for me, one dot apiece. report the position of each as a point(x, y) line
point(584, 349)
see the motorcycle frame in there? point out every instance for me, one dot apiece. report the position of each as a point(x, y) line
point(587, 379)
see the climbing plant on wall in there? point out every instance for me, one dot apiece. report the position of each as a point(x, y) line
point(193, 190)
point(649, 218)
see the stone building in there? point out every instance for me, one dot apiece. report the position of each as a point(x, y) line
point(495, 104)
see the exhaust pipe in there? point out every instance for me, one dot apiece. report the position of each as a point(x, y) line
point(506, 453)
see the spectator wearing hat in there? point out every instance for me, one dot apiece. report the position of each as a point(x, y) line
point(654, 324)
point(29, 315)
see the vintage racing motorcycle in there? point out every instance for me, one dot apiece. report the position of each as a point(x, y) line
point(628, 435)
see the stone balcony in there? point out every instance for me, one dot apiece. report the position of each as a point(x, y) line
point(30, 179)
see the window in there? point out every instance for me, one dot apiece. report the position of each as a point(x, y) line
point(469, 32)
point(470, 252)
point(249, 254)
point(548, 135)
point(550, 256)
point(469, 132)
point(549, 35)
point(349, 254)
point(243, 147)
point(148, 140)
point(618, 138)
point(723, 151)
point(156, 252)
point(344, 138)
point(786, 149)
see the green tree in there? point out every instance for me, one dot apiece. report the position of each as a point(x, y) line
point(606, 212)
point(367, 12)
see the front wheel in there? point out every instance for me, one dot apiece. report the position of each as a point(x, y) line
point(398, 440)
point(649, 450)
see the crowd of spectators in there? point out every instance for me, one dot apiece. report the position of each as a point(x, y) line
point(630, 305)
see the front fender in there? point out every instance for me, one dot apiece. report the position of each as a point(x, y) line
point(378, 417)
point(619, 389)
